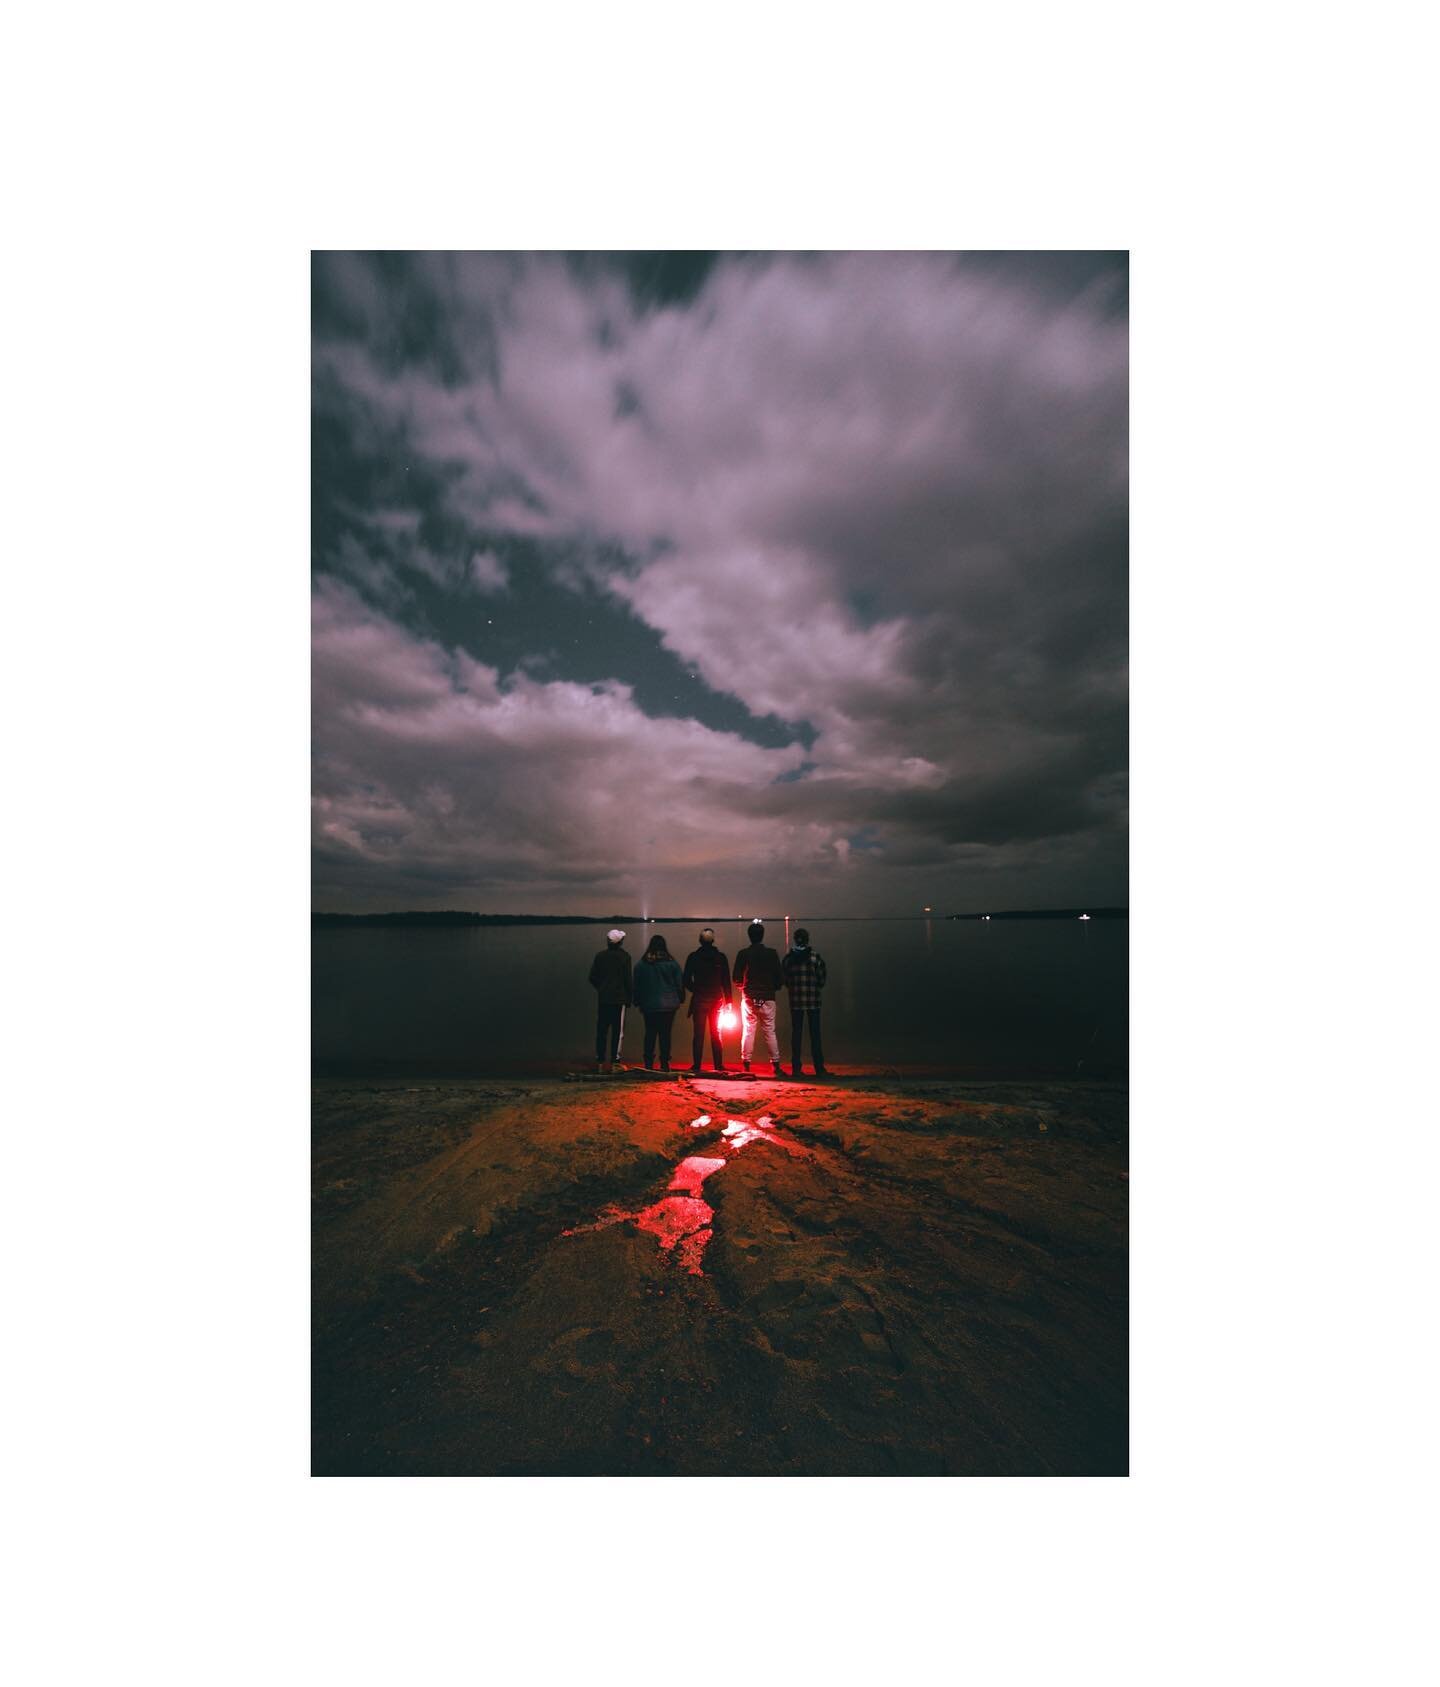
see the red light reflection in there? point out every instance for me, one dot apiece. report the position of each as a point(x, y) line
point(692, 1172)
point(681, 1221)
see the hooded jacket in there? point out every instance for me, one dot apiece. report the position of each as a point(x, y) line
point(658, 985)
point(707, 978)
point(758, 969)
point(804, 977)
point(610, 974)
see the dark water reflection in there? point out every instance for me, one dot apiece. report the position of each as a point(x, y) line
point(1004, 997)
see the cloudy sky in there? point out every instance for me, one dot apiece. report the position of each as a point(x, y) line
point(695, 582)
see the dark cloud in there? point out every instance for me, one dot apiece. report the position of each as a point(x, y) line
point(664, 577)
point(655, 279)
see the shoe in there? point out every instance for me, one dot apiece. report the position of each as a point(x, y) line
point(719, 1068)
point(664, 1065)
point(776, 1069)
point(694, 1071)
point(820, 1072)
point(795, 1072)
point(744, 1065)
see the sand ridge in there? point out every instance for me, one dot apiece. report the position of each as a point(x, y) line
point(878, 1276)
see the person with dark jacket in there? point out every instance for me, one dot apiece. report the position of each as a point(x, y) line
point(659, 991)
point(804, 979)
point(707, 978)
point(758, 970)
point(610, 974)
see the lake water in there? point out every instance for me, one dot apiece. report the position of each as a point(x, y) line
point(1007, 997)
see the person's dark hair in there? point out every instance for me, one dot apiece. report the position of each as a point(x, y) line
point(658, 950)
point(802, 937)
point(757, 931)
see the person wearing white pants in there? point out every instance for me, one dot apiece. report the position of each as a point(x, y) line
point(762, 1014)
point(758, 973)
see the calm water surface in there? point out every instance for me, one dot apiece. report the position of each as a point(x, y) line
point(1006, 996)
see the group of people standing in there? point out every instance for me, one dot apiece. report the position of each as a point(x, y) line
point(658, 987)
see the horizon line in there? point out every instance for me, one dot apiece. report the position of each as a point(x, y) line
point(728, 919)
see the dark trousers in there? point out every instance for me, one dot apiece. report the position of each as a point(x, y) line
point(798, 1016)
point(706, 1015)
point(609, 1018)
point(657, 1025)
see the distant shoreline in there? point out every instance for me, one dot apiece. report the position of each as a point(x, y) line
point(458, 917)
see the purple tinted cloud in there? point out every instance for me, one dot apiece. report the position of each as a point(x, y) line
point(880, 493)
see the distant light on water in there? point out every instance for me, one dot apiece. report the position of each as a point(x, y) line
point(1084, 916)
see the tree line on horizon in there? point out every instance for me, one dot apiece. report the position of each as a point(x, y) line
point(461, 917)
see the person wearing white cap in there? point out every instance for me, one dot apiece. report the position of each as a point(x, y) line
point(610, 975)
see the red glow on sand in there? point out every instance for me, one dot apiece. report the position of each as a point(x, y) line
point(681, 1221)
point(692, 1172)
point(676, 1220)
point(741, 1131)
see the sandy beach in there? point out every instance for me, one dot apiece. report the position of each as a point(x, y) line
point(879, 1275)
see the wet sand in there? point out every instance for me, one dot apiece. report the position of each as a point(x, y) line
point(881, 1275)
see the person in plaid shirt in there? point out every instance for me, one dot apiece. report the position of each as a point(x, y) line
point(804, 978)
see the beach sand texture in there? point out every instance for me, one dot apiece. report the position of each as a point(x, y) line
point(883, 1275)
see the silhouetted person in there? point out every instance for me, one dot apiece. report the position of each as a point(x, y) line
point(805, 979)
point(757, 969)
point(707, 978)
point(610, 974)
point(659, 991)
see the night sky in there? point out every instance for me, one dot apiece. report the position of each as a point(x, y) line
point(700, 582)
